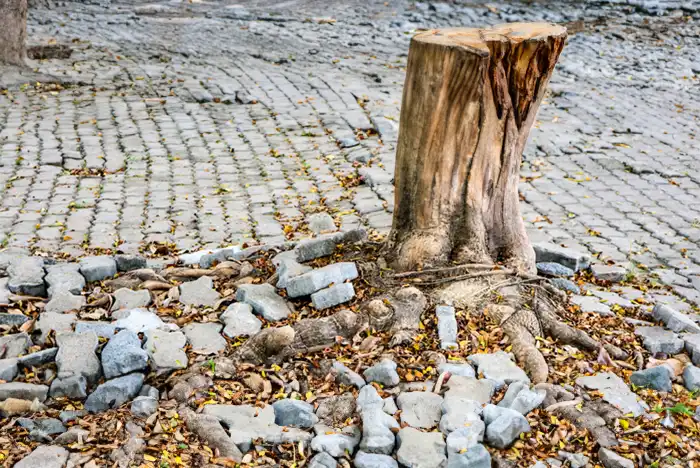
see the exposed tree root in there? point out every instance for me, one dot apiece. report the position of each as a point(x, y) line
point(523, 325)
point(399, 313)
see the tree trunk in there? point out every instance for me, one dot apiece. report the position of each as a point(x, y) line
point(13, 32)
point(469, 101)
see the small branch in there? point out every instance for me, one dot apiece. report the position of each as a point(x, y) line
point(451, 269)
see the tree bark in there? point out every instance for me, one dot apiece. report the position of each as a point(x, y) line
point(469, 101)
point(13, 32)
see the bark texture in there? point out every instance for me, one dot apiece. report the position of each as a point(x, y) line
point(469, 101)
point(13, 32)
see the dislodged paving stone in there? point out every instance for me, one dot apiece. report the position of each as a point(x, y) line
point(615, 391)
point(461, 412)
point(98, 268)
point(8, 369)
point(503, 425)
point(418, 449)
point(347, 376)
point(64, 277)
point(50, 321)
point(455, 368)
point(72, 415)
point(383, 373)
point(200, 292)
point(470, 388)
point(247, 423)
point(692, 347)
point(264, 300)
point(565, 285)
point(15, 344)
point(23, 391)
point(611, 273)
point(240, 321)
point(123, 354)
point(101, 329)
point(129, 262)
point(205, 338)
point(420, 409)
point(576, 460)
point(336, 444)
point(321, 222)
point(674, 320)
point(165, 350)
point(447, 326)
point(294, 413)
point(659, 340)
point(322, 460)
point(137, 320)
point(13, 320)
point(592, 304)
point(114, 393)
point(315, 280)
point(570, 258)
point(523, 400)
point(76, 356)
point(127, 299)
point(45, 456)
point(287, 267)
point(390, 406)
point(330, 297)
point(62, 302)
point(466, 437)
point(610, 459)
point(498, 366)
point(374, 460)
point(27, 276)
point(657, 378)
point(314, 248)
point(553, 269)
point(144, 406)
point(377, 435)
point(691, 378)
point(38, 359)
point(71, 386)
point(475, 456)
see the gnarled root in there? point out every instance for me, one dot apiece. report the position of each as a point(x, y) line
point(522, 330)
point(523, 326)
point(399, 313)
point(307, 335)
point(209, 429)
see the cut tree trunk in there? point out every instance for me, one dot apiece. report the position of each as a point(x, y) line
point(13, 32)
point(469, 101)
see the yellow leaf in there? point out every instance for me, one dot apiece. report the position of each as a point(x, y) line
point(625, 424)
point(150, 458)
point(309, 395)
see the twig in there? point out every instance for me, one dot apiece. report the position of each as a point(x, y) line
point(440, 381)
point(465, 266)
point(482, 274)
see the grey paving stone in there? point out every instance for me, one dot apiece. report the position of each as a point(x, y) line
point(52, 322)
point(315, 280)
point(421, 410)
point(447, 326)
point(264, 300)
point(567, 257)
point(165, 350)
point(384, 373)
point(592, 304)
point(240, 321)
point(499, 367)
point(64, 277)
point(333, 296)
point(610, 273)
point(45, 456)
point(138, 320)
point(129, 262)
point(674, 320)
point(23, 391)
point(294, 413)
point(657, 378)
point(420, 449)
point(62, 302)
point(15, 344)
point(114, 393)
point(123, 354)
point(127, 299)
point(615, 391)
point(200, 292)
point(205, 338)
point(98, 268)
point(8, 369)
point(27, 276)
point(660, 340)
point(77, 356)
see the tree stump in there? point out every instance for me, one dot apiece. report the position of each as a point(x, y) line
point(469, 101)
point(13, 32)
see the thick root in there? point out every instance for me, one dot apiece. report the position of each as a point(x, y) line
point(521, 334)
point(265, 344)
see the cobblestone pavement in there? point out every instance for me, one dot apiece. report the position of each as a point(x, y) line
point(207, 124)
